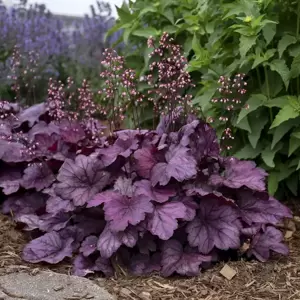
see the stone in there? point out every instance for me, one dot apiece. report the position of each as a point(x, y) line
point(44, 286)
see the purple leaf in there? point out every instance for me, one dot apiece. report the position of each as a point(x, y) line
point(180, 165)
point(103, 197)
point(31, 114)
point(108, 243)
point(256, 210)
point(142, 264)
point(215, 225)
point(74, 232)
point(240, 173)
point(146, 243)
point(82, 266)
point(201, 138)
point(190, 208)
point(56, 222)
point(263, 243)
point(38, 176)
point(12, 152)
point(145, 161)
point(42, 128)
point(157, 194)
point(28, 203)
point(163, 220)
point(122, 211)
point(198, 188)
point(81, 179)
point(124, 186)
point(32, 221)
point(251, 231)
point(104, 265)
point(50, 248)
point(174, 259)
point(159, 174)
point(89, 245)
point(56, 204)
point(71, 132)
point(123, 146)
point(129, 237)
point(10, 180)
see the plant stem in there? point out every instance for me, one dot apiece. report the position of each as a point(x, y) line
point(259, 79)
point(268, 93)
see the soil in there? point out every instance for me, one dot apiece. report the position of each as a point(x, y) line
point(277, 279)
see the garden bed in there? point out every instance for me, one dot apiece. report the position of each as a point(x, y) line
point(276, 279)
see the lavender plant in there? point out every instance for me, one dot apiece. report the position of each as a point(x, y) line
point(161, 200)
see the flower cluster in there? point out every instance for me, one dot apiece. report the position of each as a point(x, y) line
point(169, 78)
point(228, 103)
point(120, 90)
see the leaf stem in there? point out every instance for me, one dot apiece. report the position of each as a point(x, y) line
point(259, 79)
point(268, 93)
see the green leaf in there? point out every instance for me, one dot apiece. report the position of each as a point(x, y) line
point(281, 68)
point(258, 60)
point(248, 152)
point(286, 113)
point(284, 171)
point(269, 32)
point(277, 102)
point(147, 10)
point(298, 167)
point(124, 15)
point(268, 154)
point(257, 124)
point(294, 50)
point(127, 33)
point(204, 99)
point(244, 124)
point(146, 59)
point(196, 45)
point(170, 29)
point(254, 102)
point(146, 32)
point(294, 144)
point(168, 13)
point(246, 43)
point(272, 183)
point(285, 41)
point(273, 86)
point(282, 129)
point(295, 67)
point(292, 183)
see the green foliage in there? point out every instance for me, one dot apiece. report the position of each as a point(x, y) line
point(258, 38)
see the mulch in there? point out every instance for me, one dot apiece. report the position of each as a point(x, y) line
point(277, 279)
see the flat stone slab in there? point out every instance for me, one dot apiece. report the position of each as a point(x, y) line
point(50, 286)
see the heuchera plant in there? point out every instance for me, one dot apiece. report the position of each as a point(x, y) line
point(160, 200)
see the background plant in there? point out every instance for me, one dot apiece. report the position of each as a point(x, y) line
point(149, 200)
point(223, 38)
point(36, 46)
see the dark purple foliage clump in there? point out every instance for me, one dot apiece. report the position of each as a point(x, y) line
point(159, 200)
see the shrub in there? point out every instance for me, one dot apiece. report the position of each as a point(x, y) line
point(223, 38)
point(150, 200)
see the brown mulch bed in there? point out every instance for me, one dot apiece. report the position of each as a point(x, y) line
point(277, 279)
